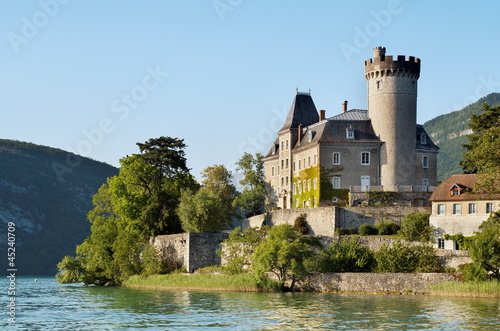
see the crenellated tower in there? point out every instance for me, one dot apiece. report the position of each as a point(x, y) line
point(392, 109)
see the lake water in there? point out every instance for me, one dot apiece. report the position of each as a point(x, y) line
point(47, 305)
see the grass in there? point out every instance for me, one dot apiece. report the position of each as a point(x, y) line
point(204, 282)
point(471, 289)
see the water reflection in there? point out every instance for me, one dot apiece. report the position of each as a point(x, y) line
point(47, 305)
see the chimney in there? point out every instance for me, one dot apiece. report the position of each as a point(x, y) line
point(321, 115)
point(300, 133)
point(344, 106)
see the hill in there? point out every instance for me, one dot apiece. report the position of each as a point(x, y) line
point(449, 132)
point(46, 193)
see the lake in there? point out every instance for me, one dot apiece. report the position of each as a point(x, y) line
point(47, 305)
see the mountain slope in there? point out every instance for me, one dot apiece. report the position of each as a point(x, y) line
point(449, 132)
point(46, 193)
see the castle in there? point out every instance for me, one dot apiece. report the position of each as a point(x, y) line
point(317, 160)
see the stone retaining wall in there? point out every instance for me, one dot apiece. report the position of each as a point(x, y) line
point(374, 282)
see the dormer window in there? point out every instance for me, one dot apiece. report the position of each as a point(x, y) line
point(311, 135)
point(350, 132)
point(423, 139)
point(455, 192)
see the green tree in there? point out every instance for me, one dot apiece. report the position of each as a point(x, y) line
point(240, 247)
point(283, 253)
point(482, 155)
point(201, 211)
point(251, 200)
point(401, 257)
point(346, 255)
point(416, 227)
point(218, 180)
point(484, 248)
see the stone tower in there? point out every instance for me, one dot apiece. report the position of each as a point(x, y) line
point(392, 108)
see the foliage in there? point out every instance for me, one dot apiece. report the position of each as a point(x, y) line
point(482, 155)
point(306, 192)
point(382, 198)
point(343, 256)
point(283, 253)
point(345, 231)
point(47, 193)
point(401, 257)
point(201, 211)
point(218, 180)
point(473, 272)
point(484, 248)
point(251, 201)
point(386, 228)
point(462, 242)
point(300, 224)
point(327, 192)
point(446, 131)
point(366, 230)
point(240, 247)
point(137, 203)
point(415, 227)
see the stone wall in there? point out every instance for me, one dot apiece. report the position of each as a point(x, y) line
point(320, 221)
point(353, 217)
point(407, 199)
point(452, 258)
point(374, 282)
point(190, 250)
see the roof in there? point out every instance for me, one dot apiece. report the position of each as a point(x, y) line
point(303, 111)
point(352, 115)
point(429, 144)
point(466, 185)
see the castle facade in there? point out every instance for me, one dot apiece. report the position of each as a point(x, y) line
point(317, 160)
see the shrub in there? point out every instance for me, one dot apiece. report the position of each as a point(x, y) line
point(366, 230)
point(399, 257)
point(345, 231)
point(386, 228)
point(416, 227)
point(300, 224)
point(343, 256)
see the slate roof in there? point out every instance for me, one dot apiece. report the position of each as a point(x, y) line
point(466, 183)
point(429, 143)
point(303, 111)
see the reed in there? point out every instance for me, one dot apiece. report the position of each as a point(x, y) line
point(207, 282)
point(471, 289)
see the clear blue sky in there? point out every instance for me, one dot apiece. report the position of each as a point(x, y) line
point(95, 77)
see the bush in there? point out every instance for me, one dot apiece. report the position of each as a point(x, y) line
point(300, 225)
point(343, 256)
point(366, 230)
point(416, 227)
point(345, 231)
point(386, 228)
point(399, 257)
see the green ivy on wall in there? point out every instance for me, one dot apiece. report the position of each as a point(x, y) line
point(382, 198)
point(306, 194)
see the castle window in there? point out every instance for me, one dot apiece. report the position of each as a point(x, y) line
point(425, 185)
point(304, 162)
point(379, 84)
point(293, 165)
point(472, 208)
point(308, 161)
point(336, 182)
point(365, 158)
point(282, 181)
point(440, 210)
point(308, 184)
point(441, 243)
point(425, 161)
point(315, 183)
point(489, 207)
point(287, 163)
point(282, 145)
point(282, 164)
point(272, 171)
point(287, 144)
point(423, 139)
point(456, 209)
point(336, 158)
point(286, 181)
point(350, 132)
point(297, 203)
point(299, 164)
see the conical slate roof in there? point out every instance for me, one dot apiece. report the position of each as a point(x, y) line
point(303, 111)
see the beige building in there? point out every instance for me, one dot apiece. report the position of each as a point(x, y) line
point(457, 209)
point(318, 160)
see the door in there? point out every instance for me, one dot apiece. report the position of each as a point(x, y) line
point(365, 183)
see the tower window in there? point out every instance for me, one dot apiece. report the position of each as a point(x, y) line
point(350, 132)
point(423, 139)
point(379, 84)
point(365, 158)
point(425, 161)
point(336, 158)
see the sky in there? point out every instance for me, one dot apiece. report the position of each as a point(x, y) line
point(96, 77)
